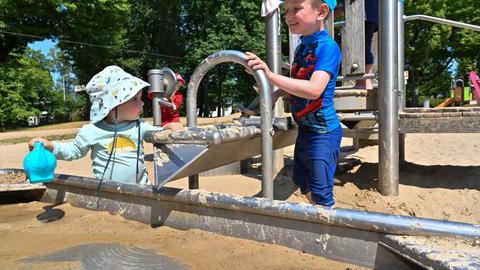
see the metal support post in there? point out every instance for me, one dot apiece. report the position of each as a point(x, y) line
point(274, 60)
point(402, 94)
point(388, 99)
point(155, 78)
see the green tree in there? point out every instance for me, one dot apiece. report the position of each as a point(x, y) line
point(67, 105)
point(237, 25)
point(432, 49)
point(25, 87)
point(39, 18)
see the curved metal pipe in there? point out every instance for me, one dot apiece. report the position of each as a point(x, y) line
point(265, 107)
point(363, 220)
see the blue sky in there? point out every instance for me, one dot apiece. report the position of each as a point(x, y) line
point(44, 46)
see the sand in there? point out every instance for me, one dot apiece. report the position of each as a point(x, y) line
point(440, 180)
point(24, 237)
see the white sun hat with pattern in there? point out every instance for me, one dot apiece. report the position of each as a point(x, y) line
point(110, 88)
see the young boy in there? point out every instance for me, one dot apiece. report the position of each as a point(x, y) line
point(115, 132)
point(314, 71)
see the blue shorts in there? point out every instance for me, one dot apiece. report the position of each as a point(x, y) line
point(315, 158)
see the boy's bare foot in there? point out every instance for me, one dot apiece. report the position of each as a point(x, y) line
point(363, 84)
point(309, 197)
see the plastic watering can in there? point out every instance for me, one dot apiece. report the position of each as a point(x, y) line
point(39, 164)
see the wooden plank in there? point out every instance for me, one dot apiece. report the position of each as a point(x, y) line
point(353, 38)
point(439, 125)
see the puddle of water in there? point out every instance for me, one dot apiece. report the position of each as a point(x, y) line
point(110, 256)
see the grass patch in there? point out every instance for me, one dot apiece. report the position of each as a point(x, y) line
point(26, 139)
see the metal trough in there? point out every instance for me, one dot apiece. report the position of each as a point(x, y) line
point(195, 150)
point(346, 235)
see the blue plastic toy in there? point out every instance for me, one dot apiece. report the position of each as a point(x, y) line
point(40, 164)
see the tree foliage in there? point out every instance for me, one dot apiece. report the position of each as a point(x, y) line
point(145, 34)
point(25, 87)
point(432, 50)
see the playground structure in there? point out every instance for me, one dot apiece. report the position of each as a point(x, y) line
point(384, 105)
point(369, 239)
point(475, 82)
point(464, 95)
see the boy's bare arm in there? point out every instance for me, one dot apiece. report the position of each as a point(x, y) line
point(309, 89)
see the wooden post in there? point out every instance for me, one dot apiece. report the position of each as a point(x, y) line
point(353, 38)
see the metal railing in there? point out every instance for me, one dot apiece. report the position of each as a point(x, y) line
point(441, 21)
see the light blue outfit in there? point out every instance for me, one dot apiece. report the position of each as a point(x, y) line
point(99, 138)
point(123, 162)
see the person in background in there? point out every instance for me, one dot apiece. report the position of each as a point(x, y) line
point(371, 26)
point(169, 114)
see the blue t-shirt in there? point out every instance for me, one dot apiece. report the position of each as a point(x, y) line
point(316, 52)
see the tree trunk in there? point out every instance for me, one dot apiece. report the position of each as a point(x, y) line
point(205, 104)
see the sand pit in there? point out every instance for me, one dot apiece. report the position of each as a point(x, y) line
point(13, 178)
point(24, 238)
point(441, 180)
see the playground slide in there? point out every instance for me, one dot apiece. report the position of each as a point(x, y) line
point(475, 80)
point(445, 103)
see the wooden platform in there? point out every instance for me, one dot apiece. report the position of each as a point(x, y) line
point(442, 120)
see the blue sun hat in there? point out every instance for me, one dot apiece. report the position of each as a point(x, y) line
point(110, 88)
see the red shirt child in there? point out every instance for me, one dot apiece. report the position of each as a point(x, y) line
point(169, 114)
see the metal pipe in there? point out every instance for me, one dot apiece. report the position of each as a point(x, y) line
point(339, 24)
point(156, 88)
point(388, 99)
point(265, 107)
point(357, 77)
point(441, 21)
point(352, 93)
point(199, 135)
point(167, 104)
point(274, 62)
point(402, 94)
point(356, 117)
point(363, 220)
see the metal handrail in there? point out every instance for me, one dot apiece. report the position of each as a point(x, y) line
point(265, 109)
point(441, 21)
